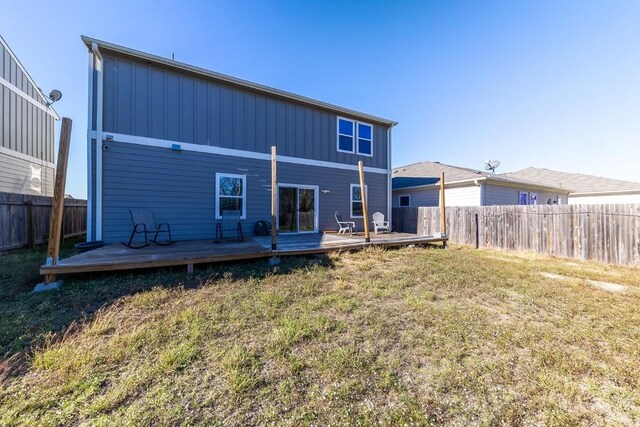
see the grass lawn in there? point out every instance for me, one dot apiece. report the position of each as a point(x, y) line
point(414, 336)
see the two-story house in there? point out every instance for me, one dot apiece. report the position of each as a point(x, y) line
point(26, 130)
point(189, 143)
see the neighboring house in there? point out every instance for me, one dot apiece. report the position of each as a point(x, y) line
point(26, 130)
point(189, 143)
point(584, 188)
point(418, 184)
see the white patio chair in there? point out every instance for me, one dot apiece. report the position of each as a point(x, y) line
point(345, 226)
point(379, 223)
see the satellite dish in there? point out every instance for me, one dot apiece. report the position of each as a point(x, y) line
point(491, 165)
point(55, 95)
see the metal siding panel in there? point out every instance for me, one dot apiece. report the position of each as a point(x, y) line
point(308, 133)
point(298, 148)
point(290, 136)
point(215, 116)
point(226, 117)
point(173, 113)
point(238, 120)
point(317, 135)
point(281, 126)
point(18, 115)
point(201, 113)
point(124, 98)
point(141, 100)
point(2, 55)
point(271, 123)
point(109, 101)
point(4, 131)
point(187, 107)
point(249, 142)
point(261, 132)
point(14, 76)
point(157, 95)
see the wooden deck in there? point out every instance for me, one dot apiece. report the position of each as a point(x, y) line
point(117, 257)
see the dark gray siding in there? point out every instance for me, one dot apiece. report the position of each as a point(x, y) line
point(180, 188)
point(24, 127)
point(145, 101)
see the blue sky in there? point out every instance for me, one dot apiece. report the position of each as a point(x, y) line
point(552, 84)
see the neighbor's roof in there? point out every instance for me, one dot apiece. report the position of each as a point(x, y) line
point(233, 81)
point(575, 182)
point(428, 173)
point(38, 91)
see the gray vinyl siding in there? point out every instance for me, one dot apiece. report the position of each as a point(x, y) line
point(24, 127)
point(180, 189)
point(143, 100)
point(419, 196)
point(18, 175)
point(500, 195)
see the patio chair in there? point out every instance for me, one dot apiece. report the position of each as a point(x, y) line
point(379, 223)
point(345, 226)
point(145, 223)
point(230, 223)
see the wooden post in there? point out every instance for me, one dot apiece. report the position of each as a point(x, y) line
point(477, 230)
point(31, 225)
point(443, 217)
point(363, 197)
point(274, 198)
point(57, 208)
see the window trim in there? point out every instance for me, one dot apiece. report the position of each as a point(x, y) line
point(358, 139)
point(356, 146)
point(523, 193)
point(243, 197)
point(366, 194)
point(354, 136)
point(400, 200)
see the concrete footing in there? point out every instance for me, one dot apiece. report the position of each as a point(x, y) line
point(42, 287)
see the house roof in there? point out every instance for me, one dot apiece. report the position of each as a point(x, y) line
point(233, 81)
point(38, 91)
point(428, 173)
point(575, 183)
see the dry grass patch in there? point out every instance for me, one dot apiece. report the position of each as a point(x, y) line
point(413, 336)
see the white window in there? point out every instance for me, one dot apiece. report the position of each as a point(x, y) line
point(356, 200)
point(365, 139)
point(523, 198)
point(405, 201)
point(354, 137)
point(231, 194)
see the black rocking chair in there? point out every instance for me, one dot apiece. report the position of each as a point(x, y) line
point(145, 223)
point(230, 223)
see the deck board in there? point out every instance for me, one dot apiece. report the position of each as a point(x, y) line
point(116, 257)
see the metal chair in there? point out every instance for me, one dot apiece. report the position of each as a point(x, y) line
point(145, 223)
point(230, 222)
point(379, 223)
point(345, 226)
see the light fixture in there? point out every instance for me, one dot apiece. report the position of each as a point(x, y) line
point(325, 191)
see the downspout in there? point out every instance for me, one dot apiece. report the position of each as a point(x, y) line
point(90, 136)
point(99, 106)
point(389, 177)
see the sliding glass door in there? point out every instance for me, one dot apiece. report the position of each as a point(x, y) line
point(297, 208)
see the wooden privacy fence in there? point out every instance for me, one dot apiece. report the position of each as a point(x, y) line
point(24, 219)
point(608, 232)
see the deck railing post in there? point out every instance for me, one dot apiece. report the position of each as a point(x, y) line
point(363, 197)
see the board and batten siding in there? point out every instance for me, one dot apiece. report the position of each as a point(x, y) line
point(25, 128)
point(148, 101)
point(179, 187)
point(502, 195)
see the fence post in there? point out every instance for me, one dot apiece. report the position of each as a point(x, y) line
point(31, 225)
point(477, 230)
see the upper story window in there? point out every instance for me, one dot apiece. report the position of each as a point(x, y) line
point(355, 137)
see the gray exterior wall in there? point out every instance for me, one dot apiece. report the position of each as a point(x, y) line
point(501, 195)
point(419, 196)
point(18, 175)
point(24, 128)
point(180, 189)
point(148, 101)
